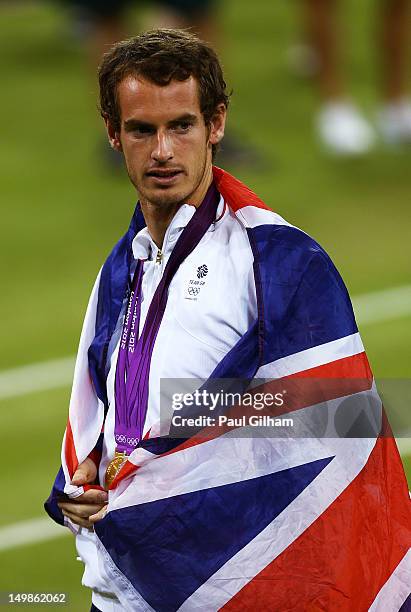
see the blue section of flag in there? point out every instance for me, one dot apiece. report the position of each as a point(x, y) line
point(406, 606)
point(114, 280)
point(304, 300)
point(57, 493)
point(169, 547)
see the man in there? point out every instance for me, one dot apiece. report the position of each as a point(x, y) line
point(209, 284)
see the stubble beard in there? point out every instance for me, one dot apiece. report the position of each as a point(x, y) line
point(166, 199)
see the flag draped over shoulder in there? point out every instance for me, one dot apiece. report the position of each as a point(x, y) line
point(239, 522)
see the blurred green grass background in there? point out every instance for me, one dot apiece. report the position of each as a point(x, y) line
point(62, 210)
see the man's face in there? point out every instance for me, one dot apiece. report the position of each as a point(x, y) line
point(166, 144)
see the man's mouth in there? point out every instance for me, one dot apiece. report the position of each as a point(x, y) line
point(164, 176)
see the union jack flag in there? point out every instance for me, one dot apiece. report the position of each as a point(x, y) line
point(232, 522)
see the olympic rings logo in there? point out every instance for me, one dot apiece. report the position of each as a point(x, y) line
point(126, 440)
point(193, 290)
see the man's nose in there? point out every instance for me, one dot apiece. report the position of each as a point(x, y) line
point(163, 150)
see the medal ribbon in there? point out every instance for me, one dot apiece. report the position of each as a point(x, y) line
point(134, 358)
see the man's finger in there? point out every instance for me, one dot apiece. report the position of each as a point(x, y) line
point(85, 474)
point(82, 522)
point(93, 518)
point(82, 510)
point(92, 496)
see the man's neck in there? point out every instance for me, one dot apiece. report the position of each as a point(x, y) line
point(158, 218)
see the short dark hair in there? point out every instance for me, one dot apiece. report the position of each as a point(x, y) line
point(160, 56)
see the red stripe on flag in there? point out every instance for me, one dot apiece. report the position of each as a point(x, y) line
point(234, 192)
point(70, 451)
point(344, 558)
point(127, 469)
point(355, 366)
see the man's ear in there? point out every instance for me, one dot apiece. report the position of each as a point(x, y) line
point(113, 136)
point(217, 124)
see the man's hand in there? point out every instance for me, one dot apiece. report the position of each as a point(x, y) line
point(91, 506)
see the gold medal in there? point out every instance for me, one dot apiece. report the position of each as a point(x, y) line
point(114, 467)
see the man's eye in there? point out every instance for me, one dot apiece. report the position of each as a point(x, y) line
point(183, 126)
point(143, 130)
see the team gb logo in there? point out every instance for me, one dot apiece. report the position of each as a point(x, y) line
point(202, 271)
